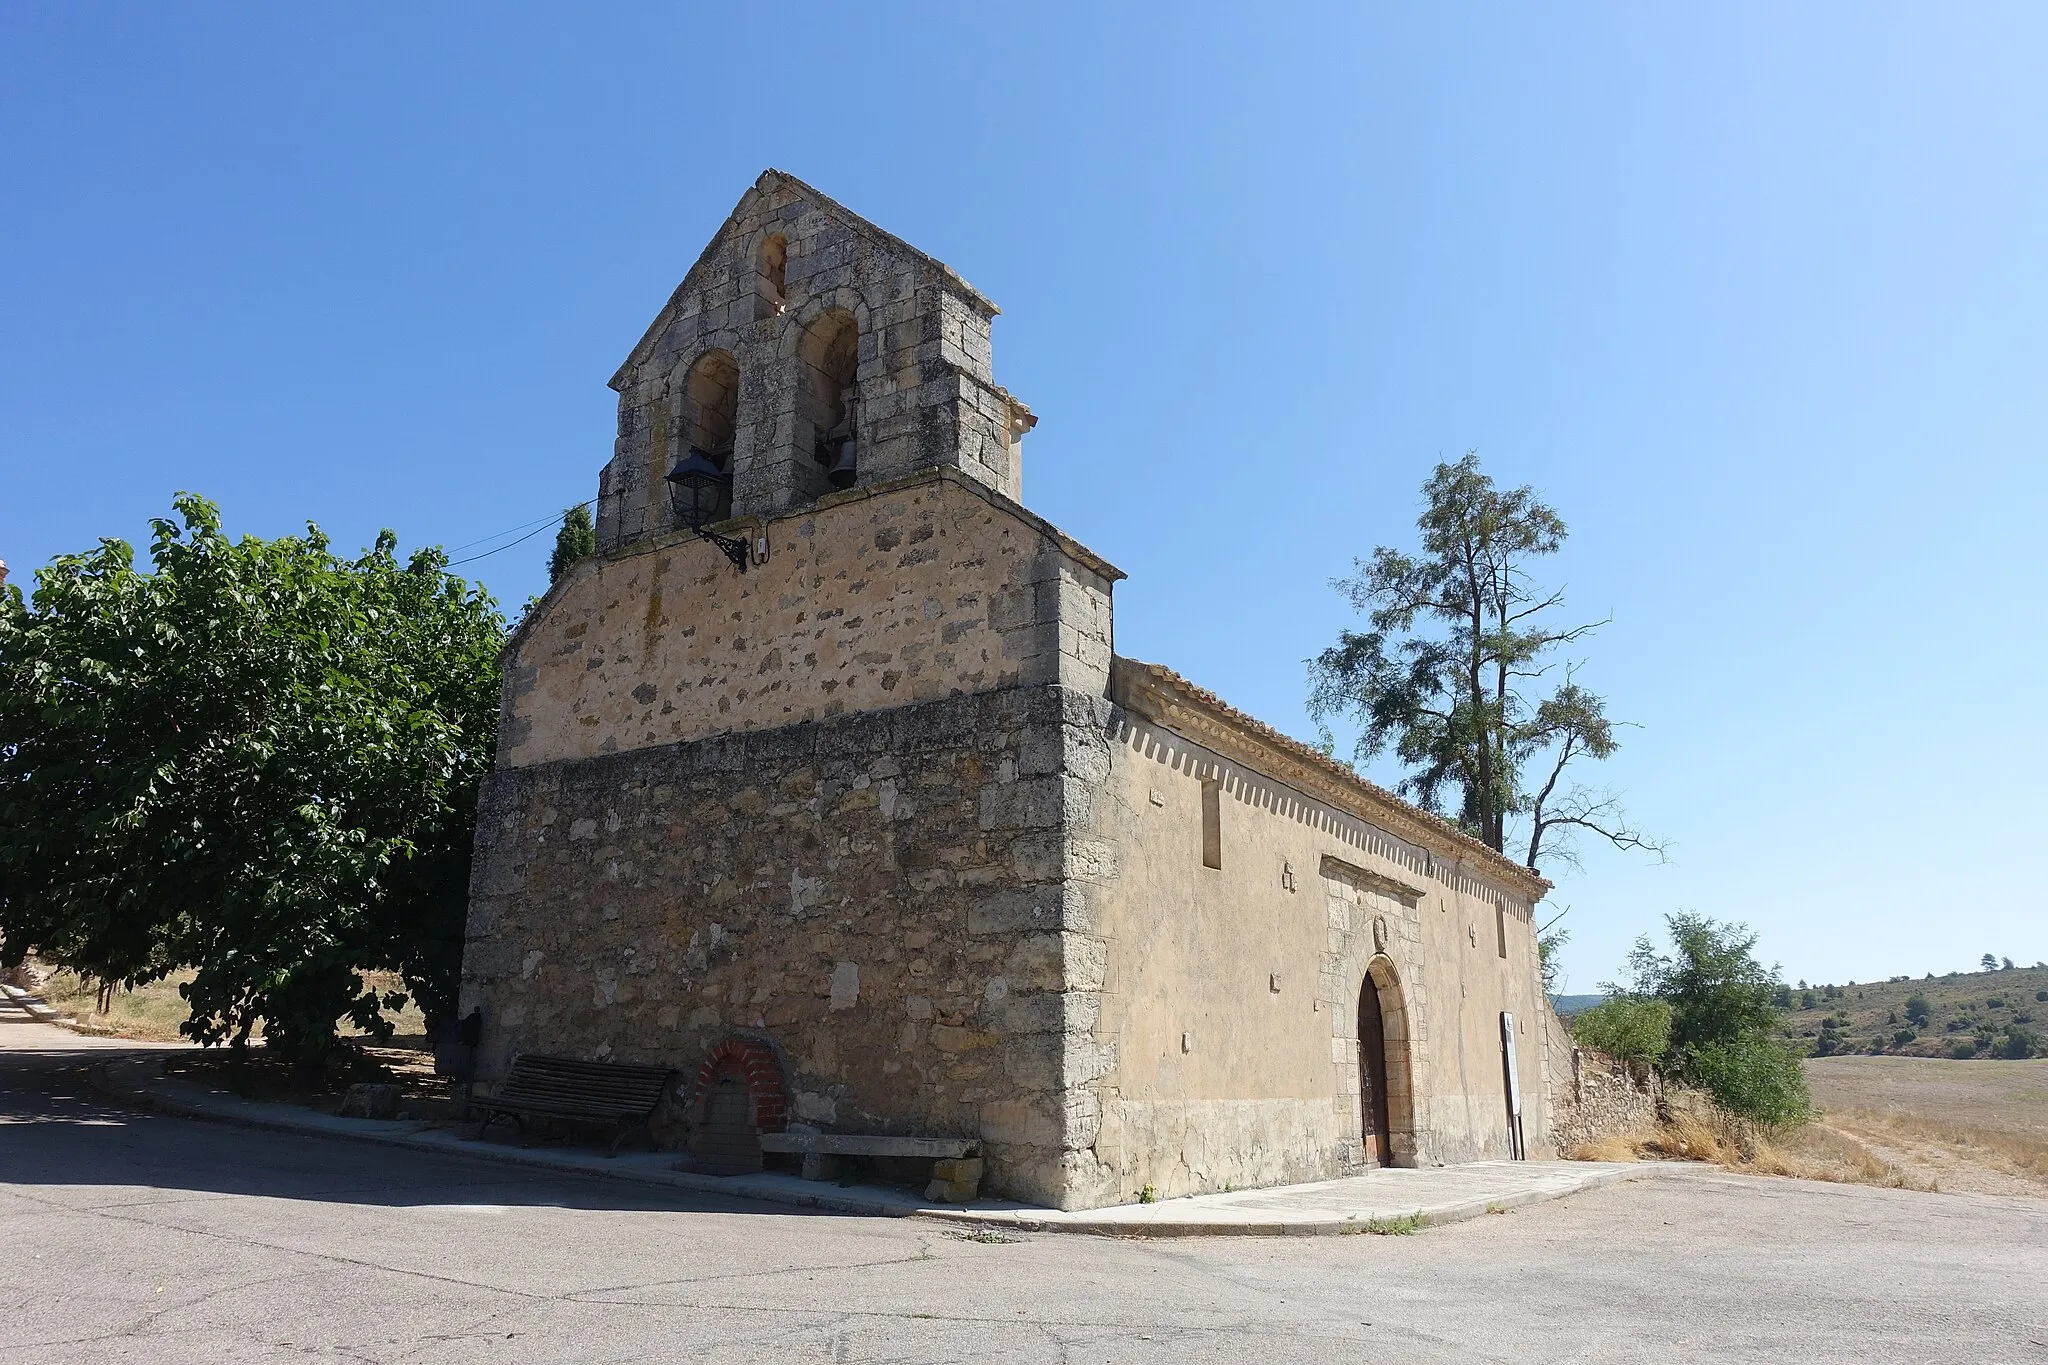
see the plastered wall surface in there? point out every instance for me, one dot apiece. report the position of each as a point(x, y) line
point(879, 597)
point(1230, 998)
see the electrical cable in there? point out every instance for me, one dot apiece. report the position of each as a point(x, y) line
point(538, 527)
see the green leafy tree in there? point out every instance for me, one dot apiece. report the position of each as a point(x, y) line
point(576, 540)
point(1918, 1011)
point(1627, 1027)
point(1446, 676)
point(1989, 962)
point(1754, 1077)
point(259, 760)
point(1723, 1018)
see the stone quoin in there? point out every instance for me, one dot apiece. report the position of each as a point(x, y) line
point(882, 830)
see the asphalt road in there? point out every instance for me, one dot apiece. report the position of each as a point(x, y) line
point(136, 1237)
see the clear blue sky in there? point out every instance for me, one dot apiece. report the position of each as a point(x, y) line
point(1754, 295)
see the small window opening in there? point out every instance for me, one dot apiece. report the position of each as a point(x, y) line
point(770, 294)
point(1212, 823)
point(1500, 925)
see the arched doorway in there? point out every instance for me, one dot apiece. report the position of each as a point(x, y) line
point(739, 1095)
point(1375, 1091)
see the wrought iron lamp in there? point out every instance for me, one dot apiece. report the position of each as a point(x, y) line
point(695, 488)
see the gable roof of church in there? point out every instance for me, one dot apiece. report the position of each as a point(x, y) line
point(769, 181)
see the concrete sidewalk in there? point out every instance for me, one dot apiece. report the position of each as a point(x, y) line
point(1360, 1204)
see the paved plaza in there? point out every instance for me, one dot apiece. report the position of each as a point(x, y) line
point(138, 1236)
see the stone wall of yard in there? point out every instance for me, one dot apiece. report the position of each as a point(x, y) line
point(1594, 1096)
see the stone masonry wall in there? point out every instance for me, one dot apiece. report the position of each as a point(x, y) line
point(1591, 1095)
point(925, 391)
point(878, 597)
point(878, 895)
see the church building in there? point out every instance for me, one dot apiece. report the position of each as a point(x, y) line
point(822, 779)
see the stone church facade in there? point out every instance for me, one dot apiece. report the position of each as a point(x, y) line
point(882, 819)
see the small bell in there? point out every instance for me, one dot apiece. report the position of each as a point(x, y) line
point(843, 470)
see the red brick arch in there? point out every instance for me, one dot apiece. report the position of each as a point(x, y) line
point(757, 1063)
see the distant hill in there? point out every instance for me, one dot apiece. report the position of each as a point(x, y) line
point(1963, 1009)
point(1569, 1005)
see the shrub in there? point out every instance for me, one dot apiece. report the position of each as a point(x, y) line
point(1963, 1048)
point(2019, 1043)
point(1722, 1020)
point(2041, 996)
point(1626, 1027)
point(1996, 1002)
point(1752, 1076)
point(575, 541)
point(1917, 1010)
point(1903, 1037)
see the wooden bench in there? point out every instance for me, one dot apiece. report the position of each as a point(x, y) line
point(956, 1171)
point(617, 1093)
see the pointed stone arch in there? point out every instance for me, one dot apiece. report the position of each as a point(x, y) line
point(1380, 984)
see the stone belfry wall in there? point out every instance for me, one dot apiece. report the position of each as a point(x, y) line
point(797, 312)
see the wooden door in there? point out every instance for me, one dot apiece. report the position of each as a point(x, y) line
point(1376, 1121)
point(726, 1141)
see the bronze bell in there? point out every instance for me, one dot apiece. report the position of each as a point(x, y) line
point(844, 469)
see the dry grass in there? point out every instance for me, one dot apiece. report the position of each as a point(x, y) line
point(153, 1012)
point(150, 1012)
point(2017, 1155)
point(1979, 1126)
point(1695, 1129)
point(1917, 1123)
point(1818, 1151)
point(1614, 1147)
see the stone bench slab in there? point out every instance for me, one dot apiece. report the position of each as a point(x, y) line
point(862, 1144)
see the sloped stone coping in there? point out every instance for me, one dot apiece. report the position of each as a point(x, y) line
point(1446, 1194)
point(34, 1006)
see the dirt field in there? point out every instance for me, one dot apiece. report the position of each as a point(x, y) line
point(1968, 1127)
